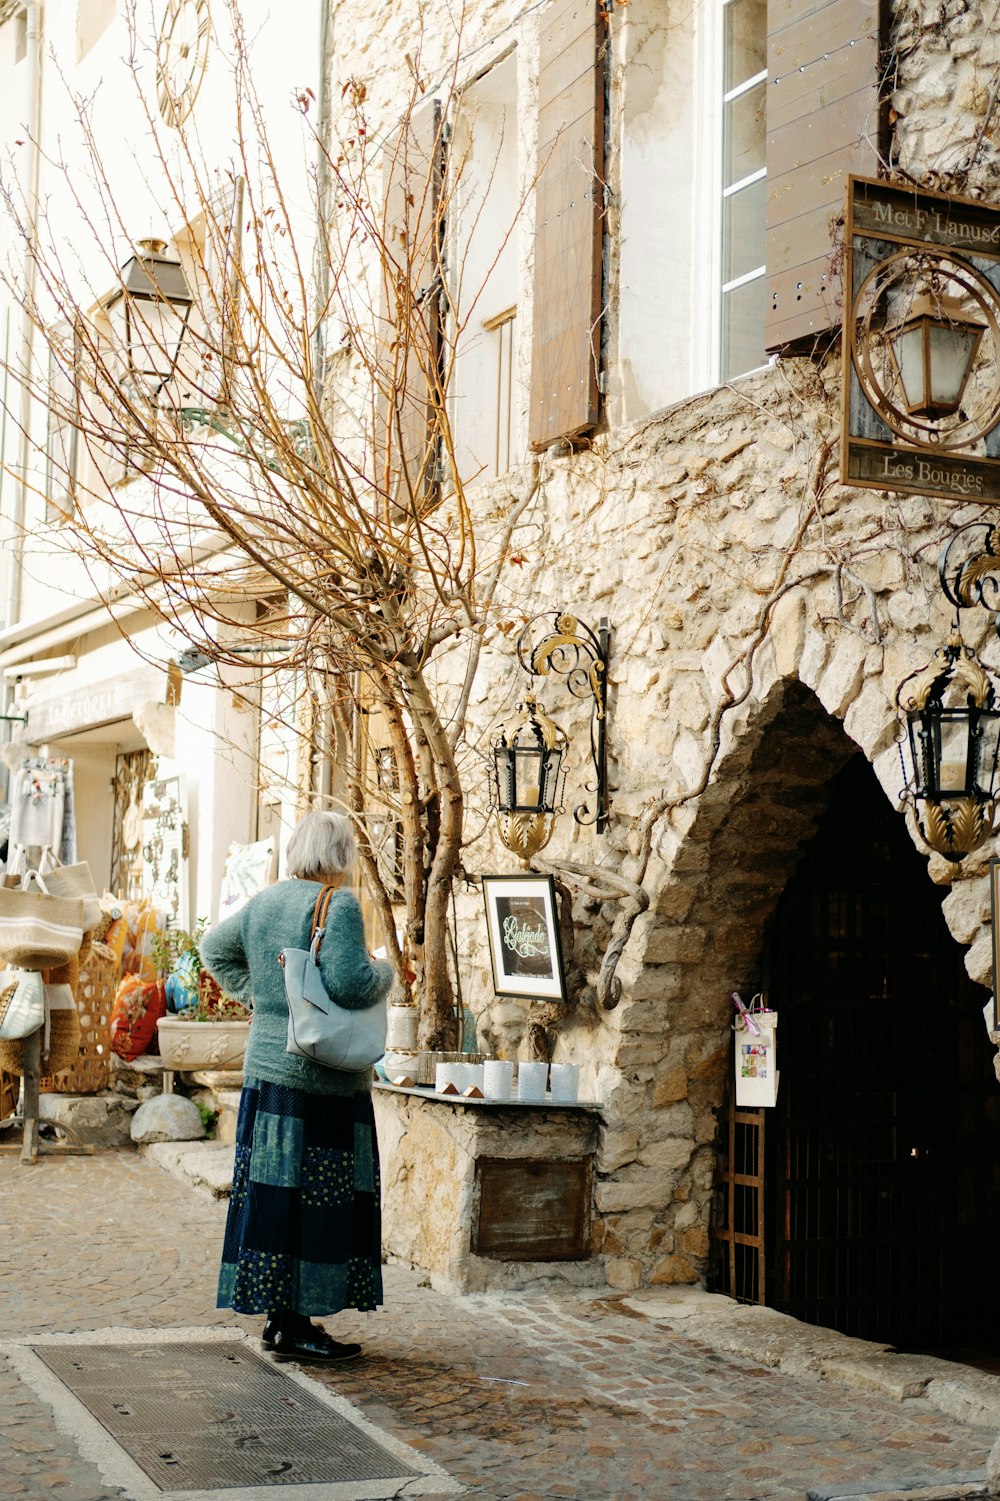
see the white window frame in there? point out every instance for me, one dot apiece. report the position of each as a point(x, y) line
point(500, 334)
point(709, 197)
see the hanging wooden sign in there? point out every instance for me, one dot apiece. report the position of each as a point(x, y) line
point(921, 343)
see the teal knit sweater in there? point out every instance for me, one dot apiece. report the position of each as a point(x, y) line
point(242, 954)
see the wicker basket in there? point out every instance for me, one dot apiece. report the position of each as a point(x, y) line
point(94, 998)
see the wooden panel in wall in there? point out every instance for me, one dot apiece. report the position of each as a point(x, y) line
point(569, 217)
point(824, 121)
point(528, 1209)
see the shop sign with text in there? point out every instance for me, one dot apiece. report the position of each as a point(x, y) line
point(922, 272)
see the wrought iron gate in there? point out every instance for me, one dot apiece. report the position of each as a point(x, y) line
point(863, 1200)
point(738, 1228)
point(882, 1163)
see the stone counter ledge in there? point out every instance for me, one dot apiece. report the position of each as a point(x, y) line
point(428, 1093)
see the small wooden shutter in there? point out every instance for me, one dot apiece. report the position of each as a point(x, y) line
point(822, 123)
point(61, 438)
point(568, 222)
point(411, 304)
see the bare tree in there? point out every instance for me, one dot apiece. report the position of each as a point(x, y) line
point(299, 457)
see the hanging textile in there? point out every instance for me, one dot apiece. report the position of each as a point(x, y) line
point(67, 854)
point(42, 814)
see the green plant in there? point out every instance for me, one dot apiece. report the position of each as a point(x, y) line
point(176, 947)
point(209, 1117)
point(171, 945)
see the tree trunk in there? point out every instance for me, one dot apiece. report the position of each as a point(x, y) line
point(438, 1024)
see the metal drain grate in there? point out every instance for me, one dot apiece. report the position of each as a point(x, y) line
point(215, 1415)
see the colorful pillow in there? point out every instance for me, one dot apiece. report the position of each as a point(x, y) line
point(138, 1006)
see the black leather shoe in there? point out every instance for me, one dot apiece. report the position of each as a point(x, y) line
point(292, 1322)
point(316, 1347)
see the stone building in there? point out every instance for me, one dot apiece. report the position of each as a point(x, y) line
point(762, 615)
point(650, 207)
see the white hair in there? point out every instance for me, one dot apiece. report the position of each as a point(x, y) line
point(322, 844)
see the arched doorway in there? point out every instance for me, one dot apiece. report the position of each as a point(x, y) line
point(882, 1156)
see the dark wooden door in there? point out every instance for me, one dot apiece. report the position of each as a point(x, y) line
point(883, 1153)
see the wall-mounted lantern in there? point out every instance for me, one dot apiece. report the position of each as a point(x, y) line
point(934, 349)
point(149, 313)
point(529, 775)
point(575, 652)
point(951, 736)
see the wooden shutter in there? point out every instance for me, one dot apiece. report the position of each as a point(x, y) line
point(569, 218)
point(412, 308)
point(822, 123)
point(61, 437)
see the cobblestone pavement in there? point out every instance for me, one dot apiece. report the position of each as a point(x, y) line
point(518, 1396)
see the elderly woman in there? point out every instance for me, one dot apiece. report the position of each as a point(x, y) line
point(303, 1233)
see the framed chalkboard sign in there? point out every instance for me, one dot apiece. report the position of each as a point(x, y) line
point(523, 926)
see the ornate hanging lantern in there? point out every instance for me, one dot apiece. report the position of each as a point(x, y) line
point(951, 736)
point(149, 313)
point(528, 779)
point(934, 350)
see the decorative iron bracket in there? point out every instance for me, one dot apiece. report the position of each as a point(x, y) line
point(972, 577)
point(580, 655)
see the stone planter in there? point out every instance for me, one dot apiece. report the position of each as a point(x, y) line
point(192, 1045)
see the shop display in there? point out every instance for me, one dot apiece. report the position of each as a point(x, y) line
point(248, 869)
point(89, 1071)
point(72, 881)
point(42, 811)
point(22, 1003)
point(138, 1006)
point(60, 1024)
point(165, 848)
point(37, 928)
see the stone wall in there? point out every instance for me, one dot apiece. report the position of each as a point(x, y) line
point(763, 616)
point(429, 1149)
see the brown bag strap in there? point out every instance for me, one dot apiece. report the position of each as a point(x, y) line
point(320, 910)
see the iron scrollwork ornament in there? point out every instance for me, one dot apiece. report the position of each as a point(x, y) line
point(574, 652)
point(972, 576)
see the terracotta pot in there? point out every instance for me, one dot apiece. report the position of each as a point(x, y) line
point(195, 1045)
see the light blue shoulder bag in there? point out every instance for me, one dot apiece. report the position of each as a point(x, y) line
point(318, 1028)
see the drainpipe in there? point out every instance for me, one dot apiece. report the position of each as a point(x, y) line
point(323, 194)
point(12, 594)
point(15, 541)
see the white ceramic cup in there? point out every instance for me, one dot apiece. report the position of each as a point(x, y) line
point(474, 1077)
point(444, 1074)
point(531, 1080)
point(565, 1082)
point(498, 1079)
point(401, 1034)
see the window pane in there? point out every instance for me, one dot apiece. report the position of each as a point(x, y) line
point(744, 135)
point(745, 41)
point(743, 328)
point(743, 230)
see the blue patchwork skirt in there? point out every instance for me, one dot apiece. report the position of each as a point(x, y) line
point(304, 1230)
